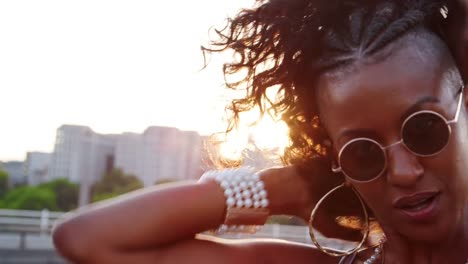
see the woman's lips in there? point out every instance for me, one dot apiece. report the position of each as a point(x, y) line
point(419, 207)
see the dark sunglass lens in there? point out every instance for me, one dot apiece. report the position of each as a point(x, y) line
point(362, 160)
point(426, 133)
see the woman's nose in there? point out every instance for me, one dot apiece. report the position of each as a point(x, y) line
point(404, 168)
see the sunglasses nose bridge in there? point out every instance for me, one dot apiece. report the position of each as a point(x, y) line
point(393, 144)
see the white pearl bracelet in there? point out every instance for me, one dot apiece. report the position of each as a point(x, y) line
point(246, 197)
point(235, 229)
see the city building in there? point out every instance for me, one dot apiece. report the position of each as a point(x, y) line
point(15, 171)
point(82, 156)
point(36, 167)
point(79, 153)
point(128, 154)
point(160, 154)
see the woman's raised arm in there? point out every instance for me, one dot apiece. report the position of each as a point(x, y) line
point(162, 222)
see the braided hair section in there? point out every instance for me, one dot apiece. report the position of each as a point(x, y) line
point(288, 44)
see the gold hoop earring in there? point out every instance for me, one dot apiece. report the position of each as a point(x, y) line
point(334, 252)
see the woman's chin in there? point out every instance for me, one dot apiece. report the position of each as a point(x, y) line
point(431, 225)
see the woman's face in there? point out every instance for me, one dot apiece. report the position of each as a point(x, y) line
point(372, 101)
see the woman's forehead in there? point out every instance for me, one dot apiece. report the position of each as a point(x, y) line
point(418, 52)
point(389, 86)
point(391, 79)
point(417, 60)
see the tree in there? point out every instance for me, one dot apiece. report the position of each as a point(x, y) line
point(57, 195)
point(4, 183)
point(114, 183)
point(66, 193)
point(30, 198)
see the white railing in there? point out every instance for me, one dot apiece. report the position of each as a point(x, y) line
point(27, 221)
point(25, 229)
point(33, 223)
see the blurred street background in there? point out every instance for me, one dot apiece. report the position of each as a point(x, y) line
point(103, 97)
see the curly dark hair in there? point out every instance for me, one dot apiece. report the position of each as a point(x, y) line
point(288, 44)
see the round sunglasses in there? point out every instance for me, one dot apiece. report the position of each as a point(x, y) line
point(424, 133)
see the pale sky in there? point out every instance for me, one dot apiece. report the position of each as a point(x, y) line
point(115, 66)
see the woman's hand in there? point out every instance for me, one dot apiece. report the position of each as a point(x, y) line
point(296, 191)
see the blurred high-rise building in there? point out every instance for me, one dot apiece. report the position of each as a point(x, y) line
point(79, 153)
point(160, 154)
point(15, 171)
point(81, 156)
point(128, 154)
point(36, 167)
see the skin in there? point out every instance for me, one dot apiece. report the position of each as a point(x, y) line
point(375, 103)
point(107, 232)
point(100, 233)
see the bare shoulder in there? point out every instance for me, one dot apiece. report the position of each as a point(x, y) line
point(272, 251)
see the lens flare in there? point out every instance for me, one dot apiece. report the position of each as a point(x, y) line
point(266, 135)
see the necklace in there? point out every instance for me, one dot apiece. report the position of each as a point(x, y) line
point(378, 252)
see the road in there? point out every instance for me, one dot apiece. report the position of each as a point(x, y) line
point(37, 249)
point(29, 257)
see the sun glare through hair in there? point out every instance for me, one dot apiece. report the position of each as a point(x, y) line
point(271, 135)
point(267, 135)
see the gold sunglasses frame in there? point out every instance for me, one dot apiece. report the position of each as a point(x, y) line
point(339, 169)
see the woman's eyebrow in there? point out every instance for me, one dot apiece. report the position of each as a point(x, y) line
point(370, 133)
point(355, 133)
point(417, 106)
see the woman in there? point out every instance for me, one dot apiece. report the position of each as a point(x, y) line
point(376, 105)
